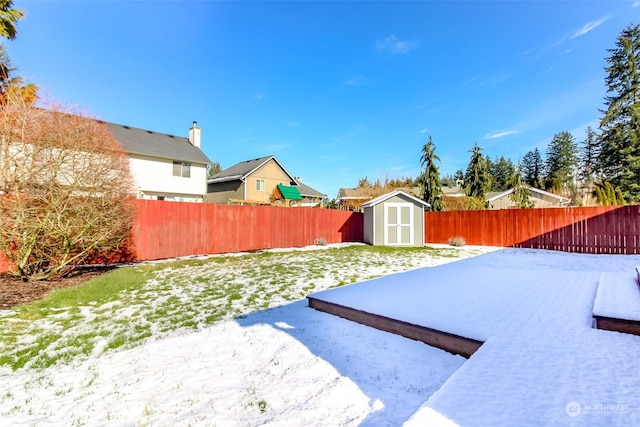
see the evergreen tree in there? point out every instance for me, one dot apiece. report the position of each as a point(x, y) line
point(477, 178)
point(562, 160)
point(588, 156)
point(520, 195)
point(429, 180)
point(213, 169)
point(6, 70)
point(9, 81)
point(502, 171)
point(459, 177)
point(533, 168)
point(589, 150)
point(606, 195)
point(619, 159)
point(490, 167)
point(448, 180)
point(365, 183)
point(9, 17)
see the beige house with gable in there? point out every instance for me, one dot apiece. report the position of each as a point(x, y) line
point(248, 182)
point(540, 199)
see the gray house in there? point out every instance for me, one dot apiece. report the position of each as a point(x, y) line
point(394, 219)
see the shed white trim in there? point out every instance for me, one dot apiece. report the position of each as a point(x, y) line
point(387, 196)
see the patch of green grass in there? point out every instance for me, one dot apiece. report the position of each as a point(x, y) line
point(98, 291)
point(126, 306)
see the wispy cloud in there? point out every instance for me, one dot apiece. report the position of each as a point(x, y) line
point(501, 134)
point(635, 4)
point(393, 44)
point(259, 96)
point(588, 27)
point(487, 82)
point(538, 52)
point(425, 130)
point(292, 124)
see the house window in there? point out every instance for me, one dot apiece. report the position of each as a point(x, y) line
point(182, 169)
point(259, 184)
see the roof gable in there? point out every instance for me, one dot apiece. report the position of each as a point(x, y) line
point(493, 196)
point(148, 143)
point(240, 171)
point(387, 196)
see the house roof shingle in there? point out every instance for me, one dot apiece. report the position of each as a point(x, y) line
point(155, 144)
point(241, 170)
point(307, 191)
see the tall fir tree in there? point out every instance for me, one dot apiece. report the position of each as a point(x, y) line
point(589, 150)
point(502, 171)
point(429, 180)
point(587, 167)
point(533, 168)
point(521, 193)
point(561, 162)
point(619, 159)
point(477, 178)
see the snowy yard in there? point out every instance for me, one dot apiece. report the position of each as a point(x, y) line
point(271, 360)
point(542, 362)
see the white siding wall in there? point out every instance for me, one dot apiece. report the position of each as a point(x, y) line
point(153, 177)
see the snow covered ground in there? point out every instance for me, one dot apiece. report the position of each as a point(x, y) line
point(541, 364)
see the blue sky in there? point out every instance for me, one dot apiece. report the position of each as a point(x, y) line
point(336, 90)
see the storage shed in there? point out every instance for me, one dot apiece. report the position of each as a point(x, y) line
point(394, 219)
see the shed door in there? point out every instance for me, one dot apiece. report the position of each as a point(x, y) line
point(398, 224)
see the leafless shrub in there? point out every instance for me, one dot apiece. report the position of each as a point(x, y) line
point(457, 241)
point(320, 241)
point(64, 189)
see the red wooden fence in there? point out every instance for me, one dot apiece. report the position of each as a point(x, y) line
point(601, 229)
point(173, 229)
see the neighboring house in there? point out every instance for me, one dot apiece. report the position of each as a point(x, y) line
point(165, 167)
point(540, 198)
point(457, 191)
point(248, 182)
point(310, 196)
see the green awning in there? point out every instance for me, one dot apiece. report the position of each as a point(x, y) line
point(289, 193)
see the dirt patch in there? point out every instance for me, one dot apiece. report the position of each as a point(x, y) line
point(14, 291)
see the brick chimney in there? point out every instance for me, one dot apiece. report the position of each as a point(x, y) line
point(195, 137)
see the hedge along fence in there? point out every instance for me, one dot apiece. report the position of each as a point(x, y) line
point(597, 229)
point(172, 229)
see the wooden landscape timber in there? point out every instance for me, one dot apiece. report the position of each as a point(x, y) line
point(455, 344)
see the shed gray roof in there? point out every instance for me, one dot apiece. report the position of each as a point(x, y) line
point(387, 196)
point(241, 170)
point(154, 144)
